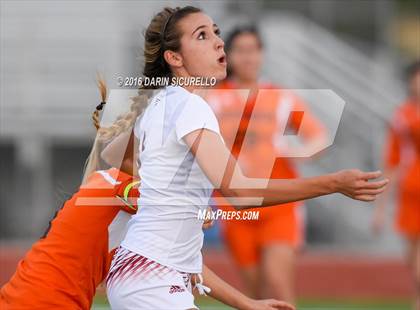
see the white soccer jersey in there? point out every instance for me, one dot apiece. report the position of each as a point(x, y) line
point(173, 186)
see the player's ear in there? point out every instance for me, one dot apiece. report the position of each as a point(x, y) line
point(173, 59)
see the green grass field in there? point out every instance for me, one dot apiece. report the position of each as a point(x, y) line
point(209, 304)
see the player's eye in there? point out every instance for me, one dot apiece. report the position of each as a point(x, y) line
point(217, 32)
point(201, 35)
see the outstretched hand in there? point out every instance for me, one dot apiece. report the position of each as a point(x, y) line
point(360, 185)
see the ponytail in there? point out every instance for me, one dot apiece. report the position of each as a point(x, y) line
point(123, 123)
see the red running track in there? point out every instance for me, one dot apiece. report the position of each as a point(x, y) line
point(319, 275)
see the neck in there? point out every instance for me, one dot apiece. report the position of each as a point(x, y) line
point(192, 88)
point(189, 88)
point(182, 73)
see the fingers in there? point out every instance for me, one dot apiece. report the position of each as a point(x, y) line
point(370, 191)
point(367, 198)
point(208, 224)
point(370, 175)
point(374, 185)
point(359, 187)
point(367, 191)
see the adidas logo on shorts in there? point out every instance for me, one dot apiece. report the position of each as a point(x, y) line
point(176, 289)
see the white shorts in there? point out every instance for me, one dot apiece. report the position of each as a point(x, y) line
point(137, 282)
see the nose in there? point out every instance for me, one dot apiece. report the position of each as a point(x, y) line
point(220, 44)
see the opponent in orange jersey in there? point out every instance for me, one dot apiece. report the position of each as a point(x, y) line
point(402, 165)
point(63, 268)
point(251, 125)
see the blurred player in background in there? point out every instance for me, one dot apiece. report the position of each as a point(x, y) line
point(264, 249)
point(402, 167)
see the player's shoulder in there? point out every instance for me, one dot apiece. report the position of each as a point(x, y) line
point(190, 101)
point(178, 98)
point(176, 94)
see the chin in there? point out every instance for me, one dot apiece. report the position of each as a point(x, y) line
point(221, 75)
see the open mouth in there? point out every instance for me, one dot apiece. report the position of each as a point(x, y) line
point(222, 60)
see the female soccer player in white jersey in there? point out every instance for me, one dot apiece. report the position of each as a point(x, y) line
point(182, 158)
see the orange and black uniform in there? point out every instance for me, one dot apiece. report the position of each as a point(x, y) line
point(63, 269)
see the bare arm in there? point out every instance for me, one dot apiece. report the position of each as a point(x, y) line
point(228, 295)
point(225, 174)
